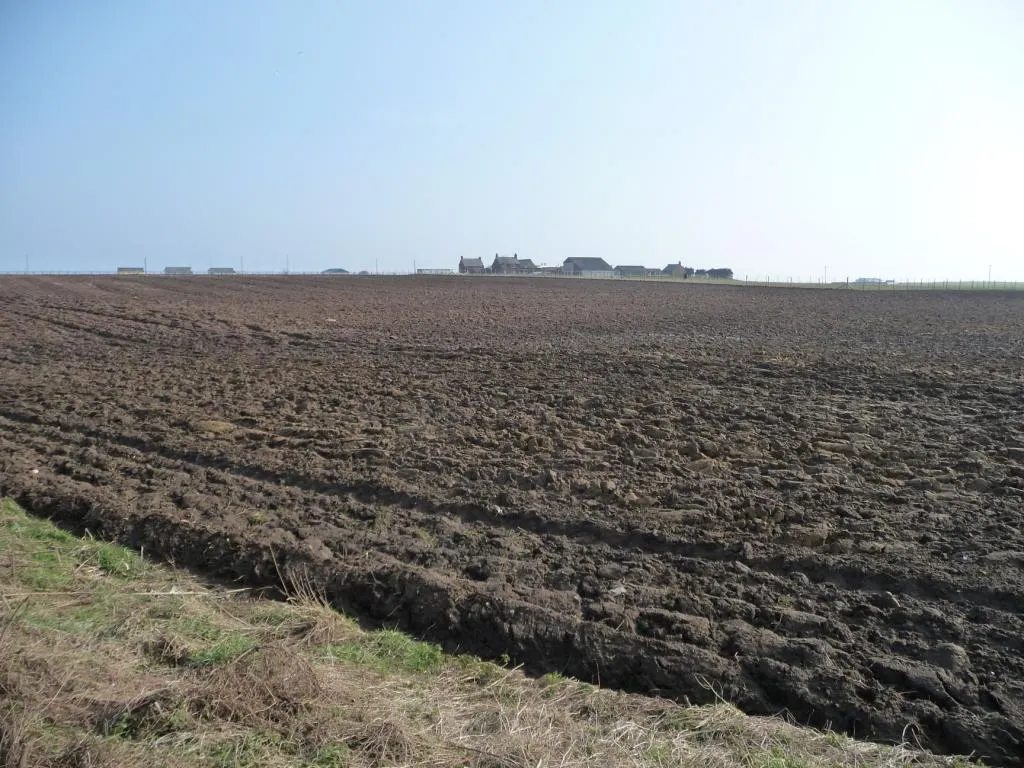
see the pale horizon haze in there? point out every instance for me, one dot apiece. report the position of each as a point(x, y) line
point(868, 138)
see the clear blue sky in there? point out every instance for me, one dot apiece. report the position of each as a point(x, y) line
point(877, 137)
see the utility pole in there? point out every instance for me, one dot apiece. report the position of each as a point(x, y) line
point(826, 274)
point(989, 275)
point(286, 263)
point(26, 264)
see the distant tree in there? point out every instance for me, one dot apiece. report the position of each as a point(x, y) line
point(720, 272)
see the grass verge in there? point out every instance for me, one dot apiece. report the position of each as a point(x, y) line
point(108, 660)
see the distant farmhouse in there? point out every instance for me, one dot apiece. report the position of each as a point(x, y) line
point(471, 266)
point(177, 270)
point(220, 271)
point(512, 265)
point(678, 270)
point(131, 271)
point(587, 267)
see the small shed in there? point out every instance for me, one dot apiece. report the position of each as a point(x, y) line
point(131, 271)
point(177, 270)
point(221, 271)
point(587, 267)
point(630, 271)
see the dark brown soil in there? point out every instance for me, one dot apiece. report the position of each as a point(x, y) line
point(809, 501)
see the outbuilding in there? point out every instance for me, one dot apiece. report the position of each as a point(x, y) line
point(587, 266)
point(631, 271)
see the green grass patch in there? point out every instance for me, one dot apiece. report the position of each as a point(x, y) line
point(391, 652)
point(331, 756)
point(198, 627)
point(47, 557)
point(254, 749)
point(119, 561)
point(226, 650)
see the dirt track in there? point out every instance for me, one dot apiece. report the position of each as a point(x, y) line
point(800, 500)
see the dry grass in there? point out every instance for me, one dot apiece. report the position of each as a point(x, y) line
point(109, 661)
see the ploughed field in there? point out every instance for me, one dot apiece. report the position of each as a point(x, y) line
point(802, 501)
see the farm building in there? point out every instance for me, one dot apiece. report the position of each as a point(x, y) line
point(177, 270)
point(131, 271)
point(631, 271)
point(433, 271)
point(503, 265)
point(587, 267)
point(220, 271)
point(335, 271)
point(512, 265)
point(677, 270)
point(471, 266)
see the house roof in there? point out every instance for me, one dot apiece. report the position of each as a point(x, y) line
point(505, 260)
point(589, 264)
point(631, 268)
point(526, 264)
point(672, 268)
point(477, 262)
